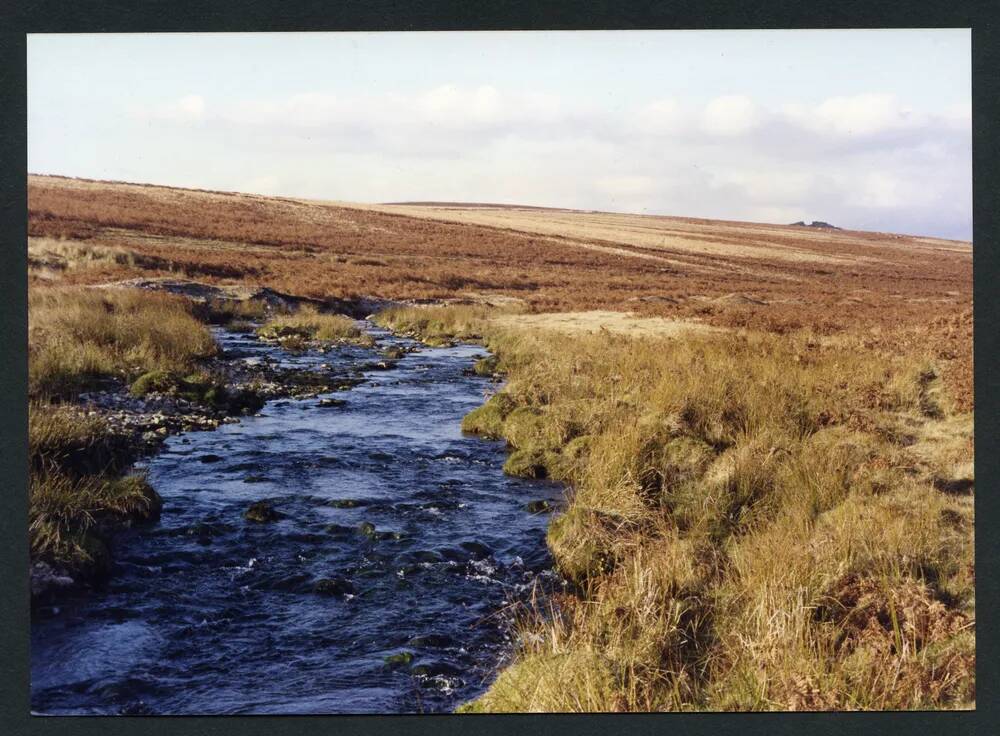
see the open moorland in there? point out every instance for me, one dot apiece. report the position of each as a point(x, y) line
point(764, 431)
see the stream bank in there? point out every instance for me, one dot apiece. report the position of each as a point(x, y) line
point(377, 580)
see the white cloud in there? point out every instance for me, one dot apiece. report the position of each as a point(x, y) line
point(660, 117)
point(770, 185)
point(865, 114)
point(186, 109)
point(625, 186)
point(776, 215)
point(862, 161)
point(730, 115)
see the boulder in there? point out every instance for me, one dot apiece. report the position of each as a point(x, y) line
point(261, 512)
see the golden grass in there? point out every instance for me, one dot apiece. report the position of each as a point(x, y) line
point(66, 516)
point(440, 324)
point(67, 440)
point(755, 522)
point(309, 324)
point(77, 335)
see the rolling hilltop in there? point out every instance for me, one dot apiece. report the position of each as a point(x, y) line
point(770, 277)
point(553, 259)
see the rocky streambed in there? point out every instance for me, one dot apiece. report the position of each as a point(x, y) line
point(345, 550)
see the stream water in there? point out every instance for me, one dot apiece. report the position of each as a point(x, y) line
point(207, 613)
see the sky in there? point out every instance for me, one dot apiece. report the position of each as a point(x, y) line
point(866, 130)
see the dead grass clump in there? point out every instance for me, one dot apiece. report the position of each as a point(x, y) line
point(77, 336)
point(309, 324)
point(438, 324)
point(70, 520)
point(65, 439)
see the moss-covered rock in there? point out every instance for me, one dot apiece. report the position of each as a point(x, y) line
point(367, 529)
point(528, 464)
point(198, 388)
point(279, 331)
point(261, 512)
point(154, 382)
point(244, 401)
point(399, 659)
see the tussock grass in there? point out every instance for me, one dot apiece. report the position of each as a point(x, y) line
point(77, 335)
point(59, 255)
point(310, 324)
point(77, 497)
point(65, 439)
point(437, 324)
point(755, 522)
point(69, 518)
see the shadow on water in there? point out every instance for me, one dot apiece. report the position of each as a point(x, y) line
point(376, 590)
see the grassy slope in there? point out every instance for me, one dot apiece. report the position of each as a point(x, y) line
point(755, 522)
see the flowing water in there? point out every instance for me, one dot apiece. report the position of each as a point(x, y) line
point(209, 613)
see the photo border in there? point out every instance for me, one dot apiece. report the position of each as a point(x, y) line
point(90, 16)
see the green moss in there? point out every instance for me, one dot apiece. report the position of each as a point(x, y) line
point(574, 546)
point(487, 421)
point(524, 428)
point(198, 388)
point(436, 341)
point(528, 463)
point(278, 331)
point(400, 659)
point(154, 382)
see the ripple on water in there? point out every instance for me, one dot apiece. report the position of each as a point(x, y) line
point(423, 538)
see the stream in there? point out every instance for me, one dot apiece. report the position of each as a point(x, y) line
point(208, 613)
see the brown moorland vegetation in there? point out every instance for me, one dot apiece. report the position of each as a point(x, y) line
point(768, 459)
point(562, 260)
point(894, 289)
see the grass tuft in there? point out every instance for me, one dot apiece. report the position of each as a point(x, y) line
point(292, 330)
point(76, 337)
